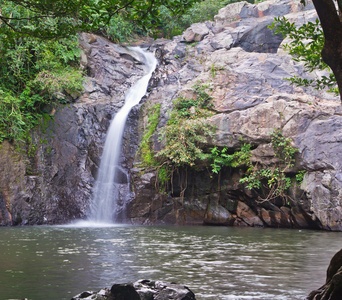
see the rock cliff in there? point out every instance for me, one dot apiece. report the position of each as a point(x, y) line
point(244, 65)
point(52, 182)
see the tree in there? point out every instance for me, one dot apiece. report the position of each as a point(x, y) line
point(69, 17)
point(306, 44)
point(330, 17)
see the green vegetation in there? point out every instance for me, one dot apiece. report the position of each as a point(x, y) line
point(145, 151)
point(272, 181)
point(34, 77)
point(62, 18)
point(300, 176)
point(187, 130)
point(200, 12)
point(214, 69)
point(183, 137)
point(120, 29)
point(306, 45)
point(221, 158)
point(275, 178)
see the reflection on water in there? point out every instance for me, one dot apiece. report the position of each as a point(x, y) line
point(215, 262)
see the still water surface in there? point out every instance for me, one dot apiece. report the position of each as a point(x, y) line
point(217, 263)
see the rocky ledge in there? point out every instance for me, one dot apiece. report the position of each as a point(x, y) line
point(141, 290)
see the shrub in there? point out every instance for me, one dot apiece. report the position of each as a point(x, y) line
point(34, 74)
point(187, 130)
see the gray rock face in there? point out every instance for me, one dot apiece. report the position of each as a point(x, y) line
point(245, 67)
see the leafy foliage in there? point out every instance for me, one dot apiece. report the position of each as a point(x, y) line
point(34, 76)
point(183, 143)
point(306, 44)
point(283, 149)
point(120, 29)
point(61, 18)
point(222, 158)
point(145, 146)
point(199, 12)
point(273, 181)
point(187, 130)
point(183, 137)
point(300, 176)
point(277, 182)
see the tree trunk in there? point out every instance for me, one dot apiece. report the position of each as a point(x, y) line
point(332, 29)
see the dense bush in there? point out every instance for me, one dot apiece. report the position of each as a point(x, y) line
point(187, 130)
point(121, 29)
point(34, 76)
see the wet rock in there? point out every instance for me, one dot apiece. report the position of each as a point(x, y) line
point(218, 215)
point(332, 289)
point(141, 290)
point(124, 292)
point(103, 294)
point(246, 214)
point(276, 217)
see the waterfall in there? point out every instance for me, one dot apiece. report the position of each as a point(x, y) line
point(105, 192)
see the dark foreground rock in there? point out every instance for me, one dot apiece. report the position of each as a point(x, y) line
point(332, 289)
point(141, 290)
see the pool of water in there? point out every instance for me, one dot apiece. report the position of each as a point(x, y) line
point(216, 263)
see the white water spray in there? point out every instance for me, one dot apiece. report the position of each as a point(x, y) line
point(106, 193)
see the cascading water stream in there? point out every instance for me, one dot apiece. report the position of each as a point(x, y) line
point(105, 193)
